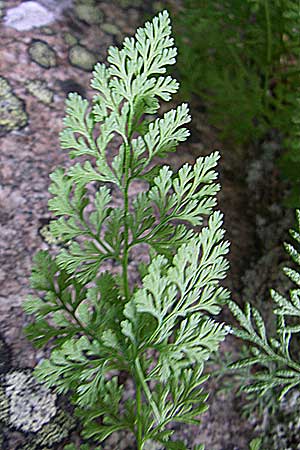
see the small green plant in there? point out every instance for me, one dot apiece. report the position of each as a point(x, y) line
point(289, 162)
point(242, 58)
point(255, 444)
point(158, 332)
point(274, 359)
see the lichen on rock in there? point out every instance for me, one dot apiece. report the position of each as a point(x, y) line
point(82, 58)
point(12, 109)
point(42, 54)
point(4, 406)
point(70, 39)
point(47, 30)
point(31, 405)
point(88, 12)
point(56, 430)
point(28, 407)
point(70, 85)
point(110, 28)
point(31, 408)
point(39, 89)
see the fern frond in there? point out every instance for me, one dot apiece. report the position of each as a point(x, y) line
point(277, 368)
point(161, 329)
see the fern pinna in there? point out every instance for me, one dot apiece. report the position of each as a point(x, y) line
point(160, 331)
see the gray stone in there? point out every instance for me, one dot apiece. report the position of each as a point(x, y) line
point(28, 15)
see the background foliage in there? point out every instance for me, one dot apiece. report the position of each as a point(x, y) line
point(242, 58)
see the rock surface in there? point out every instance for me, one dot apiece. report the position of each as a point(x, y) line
point(28, 15)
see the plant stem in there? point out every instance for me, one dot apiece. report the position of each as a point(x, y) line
point(139, 433)
point(127, 155)
point(142, 383)
point(126, 245)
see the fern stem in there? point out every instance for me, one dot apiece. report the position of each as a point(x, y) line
point(139, 435)
point(94, 236)
point(71, 312)
point(126, 245)
point(127, 155)
point(146, 390)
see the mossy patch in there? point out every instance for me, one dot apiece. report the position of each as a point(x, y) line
point(42, 54)
point(88, 12)
point(12, 109)
point(56, 430)
point(81, 57)
point(39, 89)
